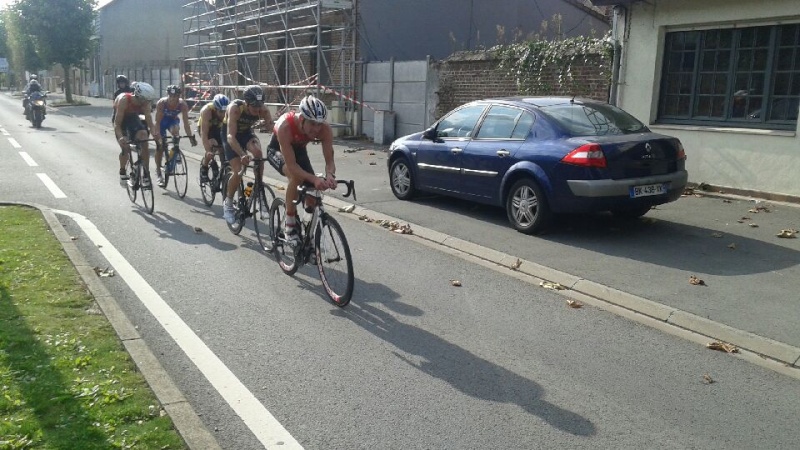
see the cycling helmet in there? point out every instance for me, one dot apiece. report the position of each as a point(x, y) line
point(122, 79)
point(254, 96)
point(313, 109)
point(34, 76)
point(221, 102)
point(172, 89)
point(144, 90)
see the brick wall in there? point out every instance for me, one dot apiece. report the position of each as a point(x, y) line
point(467, 76)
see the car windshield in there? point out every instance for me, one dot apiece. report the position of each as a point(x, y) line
point(593, 119)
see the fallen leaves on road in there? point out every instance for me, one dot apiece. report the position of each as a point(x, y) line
point(788, 234)
point(347, 209)
point(455, 283)
point(373, 163)
point(732, 246)
point(707, 379)
point(396, 227)
point(198, 230)
point(515, 265)
point(723, 347)
point(725, 200)
point(280, 188)
point(103, 273)
point(743, 219)
point(551, 285)
point(350, 150)
point(759, 209)
point(696, 281)
point(73, 238)
point(574, 304)
point(365, 218)
point(716, 235)
point(753, 225)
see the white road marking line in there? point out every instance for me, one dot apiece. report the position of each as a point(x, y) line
point(257, 418)
point(28, 159)
point(5, 133)
point(14, 143)
point(57, 193)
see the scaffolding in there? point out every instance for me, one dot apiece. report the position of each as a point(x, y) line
point(289, 47)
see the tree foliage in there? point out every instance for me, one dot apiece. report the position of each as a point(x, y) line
point(20, 48)
point(533, 63)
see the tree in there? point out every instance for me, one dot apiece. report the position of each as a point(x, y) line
point(21, 52)
point(62, 32)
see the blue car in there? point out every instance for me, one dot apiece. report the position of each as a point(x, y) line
point(541, 156)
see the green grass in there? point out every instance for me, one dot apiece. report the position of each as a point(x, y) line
point(66, 381)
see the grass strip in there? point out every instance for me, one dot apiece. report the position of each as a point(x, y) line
point(66, 381)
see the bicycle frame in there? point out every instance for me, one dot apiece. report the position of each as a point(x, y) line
point(317, 215)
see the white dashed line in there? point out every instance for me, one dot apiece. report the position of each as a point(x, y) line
point(28, 159)
point(57, 193)
point(14, 143)
point(257, 418)
point(4, 132)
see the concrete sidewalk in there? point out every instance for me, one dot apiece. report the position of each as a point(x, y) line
point(751, 291)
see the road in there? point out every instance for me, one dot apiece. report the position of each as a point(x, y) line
point(413, 361)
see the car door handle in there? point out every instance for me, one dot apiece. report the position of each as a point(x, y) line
point(503, 153)
point(456, 150)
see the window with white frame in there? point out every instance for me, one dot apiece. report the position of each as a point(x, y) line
point(735, 77)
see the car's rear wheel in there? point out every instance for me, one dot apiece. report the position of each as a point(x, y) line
point(631, 213)
point(402, 179)
point(527, 207)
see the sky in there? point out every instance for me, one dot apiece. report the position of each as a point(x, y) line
point(4, 3)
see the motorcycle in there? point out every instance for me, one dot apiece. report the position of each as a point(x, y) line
point(36, 108)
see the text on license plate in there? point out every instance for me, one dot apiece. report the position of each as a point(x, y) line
point(648, 189)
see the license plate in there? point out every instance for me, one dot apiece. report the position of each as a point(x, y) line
point(648, 189)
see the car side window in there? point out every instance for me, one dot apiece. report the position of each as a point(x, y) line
point(460, 123)
point(503, 122)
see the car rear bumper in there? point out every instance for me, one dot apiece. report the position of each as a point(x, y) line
point(621, 188)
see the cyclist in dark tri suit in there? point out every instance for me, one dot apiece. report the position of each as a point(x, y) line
point(238, 139)
point(128, 126)
point(123, 86)
point(209, 126)
point(293, 131)
point(167, 111)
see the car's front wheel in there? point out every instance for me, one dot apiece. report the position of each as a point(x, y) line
point(402, 179)
point(527, 207)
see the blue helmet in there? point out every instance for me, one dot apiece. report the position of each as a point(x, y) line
point(221, 102)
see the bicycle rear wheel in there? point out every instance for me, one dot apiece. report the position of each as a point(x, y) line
point(238, 201)
point(132, 185)
point(180, 173)
point(284, 253)
point(261, 206)
point(334, 261)
point(147, 192)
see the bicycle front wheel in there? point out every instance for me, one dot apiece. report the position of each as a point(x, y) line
point(261, 205)
point(238, 201)
point(284, 253)
point(180, 173)
point(334, 261)
point(147, 192)
point(207, 190)
point(132, 184)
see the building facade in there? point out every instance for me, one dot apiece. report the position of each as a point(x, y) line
point(724, 77)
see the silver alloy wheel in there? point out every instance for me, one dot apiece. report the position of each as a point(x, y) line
point(524, 206)
point(401, 179)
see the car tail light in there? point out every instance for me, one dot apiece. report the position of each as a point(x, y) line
point(587, 155)
point(681, 152)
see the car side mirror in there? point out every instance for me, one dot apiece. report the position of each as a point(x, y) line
point(431, 135)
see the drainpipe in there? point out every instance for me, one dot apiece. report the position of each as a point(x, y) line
point(619, 13)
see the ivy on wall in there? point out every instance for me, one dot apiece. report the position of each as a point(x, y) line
point(537, 63)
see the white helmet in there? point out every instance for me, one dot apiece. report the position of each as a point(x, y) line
point(313, 109)
point(144, 90)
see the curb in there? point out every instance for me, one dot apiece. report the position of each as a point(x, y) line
point(186, 421)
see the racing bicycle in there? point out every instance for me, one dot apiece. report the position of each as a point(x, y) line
point(251, 200)
point(321, 238)
point(176, 167)
point(217, 177)
point(137, 171)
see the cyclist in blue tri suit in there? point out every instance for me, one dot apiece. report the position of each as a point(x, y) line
point(167, 111)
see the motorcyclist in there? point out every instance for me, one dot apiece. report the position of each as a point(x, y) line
point(33, 86)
